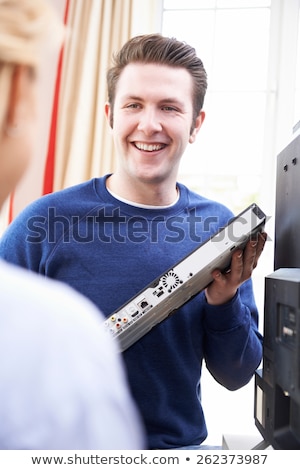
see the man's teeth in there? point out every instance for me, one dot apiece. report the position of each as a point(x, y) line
point(148, 147)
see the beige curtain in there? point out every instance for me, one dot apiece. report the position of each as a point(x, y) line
point(97, 28)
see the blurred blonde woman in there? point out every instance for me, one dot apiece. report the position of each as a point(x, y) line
point(62, 384)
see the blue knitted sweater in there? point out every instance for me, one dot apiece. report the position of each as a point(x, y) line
point(110, 250)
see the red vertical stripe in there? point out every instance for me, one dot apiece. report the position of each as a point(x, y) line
point(11, 207)
point(50, 159)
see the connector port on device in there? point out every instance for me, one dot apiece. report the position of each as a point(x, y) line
point(132, 310)
point(143, 304)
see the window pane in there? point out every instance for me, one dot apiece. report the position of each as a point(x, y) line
point(243, 4)
point(202, 4)
point(188, 4)
point(196, 28)
point(241, 49)
point(233, 55)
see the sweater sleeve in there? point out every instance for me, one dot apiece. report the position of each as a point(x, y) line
point(26, 242)
point(233, 344)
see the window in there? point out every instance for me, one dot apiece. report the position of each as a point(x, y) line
point(249, 50)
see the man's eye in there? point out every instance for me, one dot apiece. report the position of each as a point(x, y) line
point(168, 108)
point(133, 105)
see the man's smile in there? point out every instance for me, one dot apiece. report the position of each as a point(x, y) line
point(149, 147)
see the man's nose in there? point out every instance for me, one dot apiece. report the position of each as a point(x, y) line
point(150, 121)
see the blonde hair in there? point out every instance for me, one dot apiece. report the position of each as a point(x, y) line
point(23, 26)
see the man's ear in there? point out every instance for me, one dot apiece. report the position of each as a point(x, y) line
point(199, 121)
point(19, 96)
point(108, 114)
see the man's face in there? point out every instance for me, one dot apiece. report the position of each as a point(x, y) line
point(152, 120)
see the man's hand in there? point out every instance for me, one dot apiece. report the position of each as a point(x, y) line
point(225, 285)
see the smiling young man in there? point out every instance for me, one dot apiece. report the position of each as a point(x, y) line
point(111, 236)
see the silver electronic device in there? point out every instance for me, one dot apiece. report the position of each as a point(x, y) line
point(183, 281)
